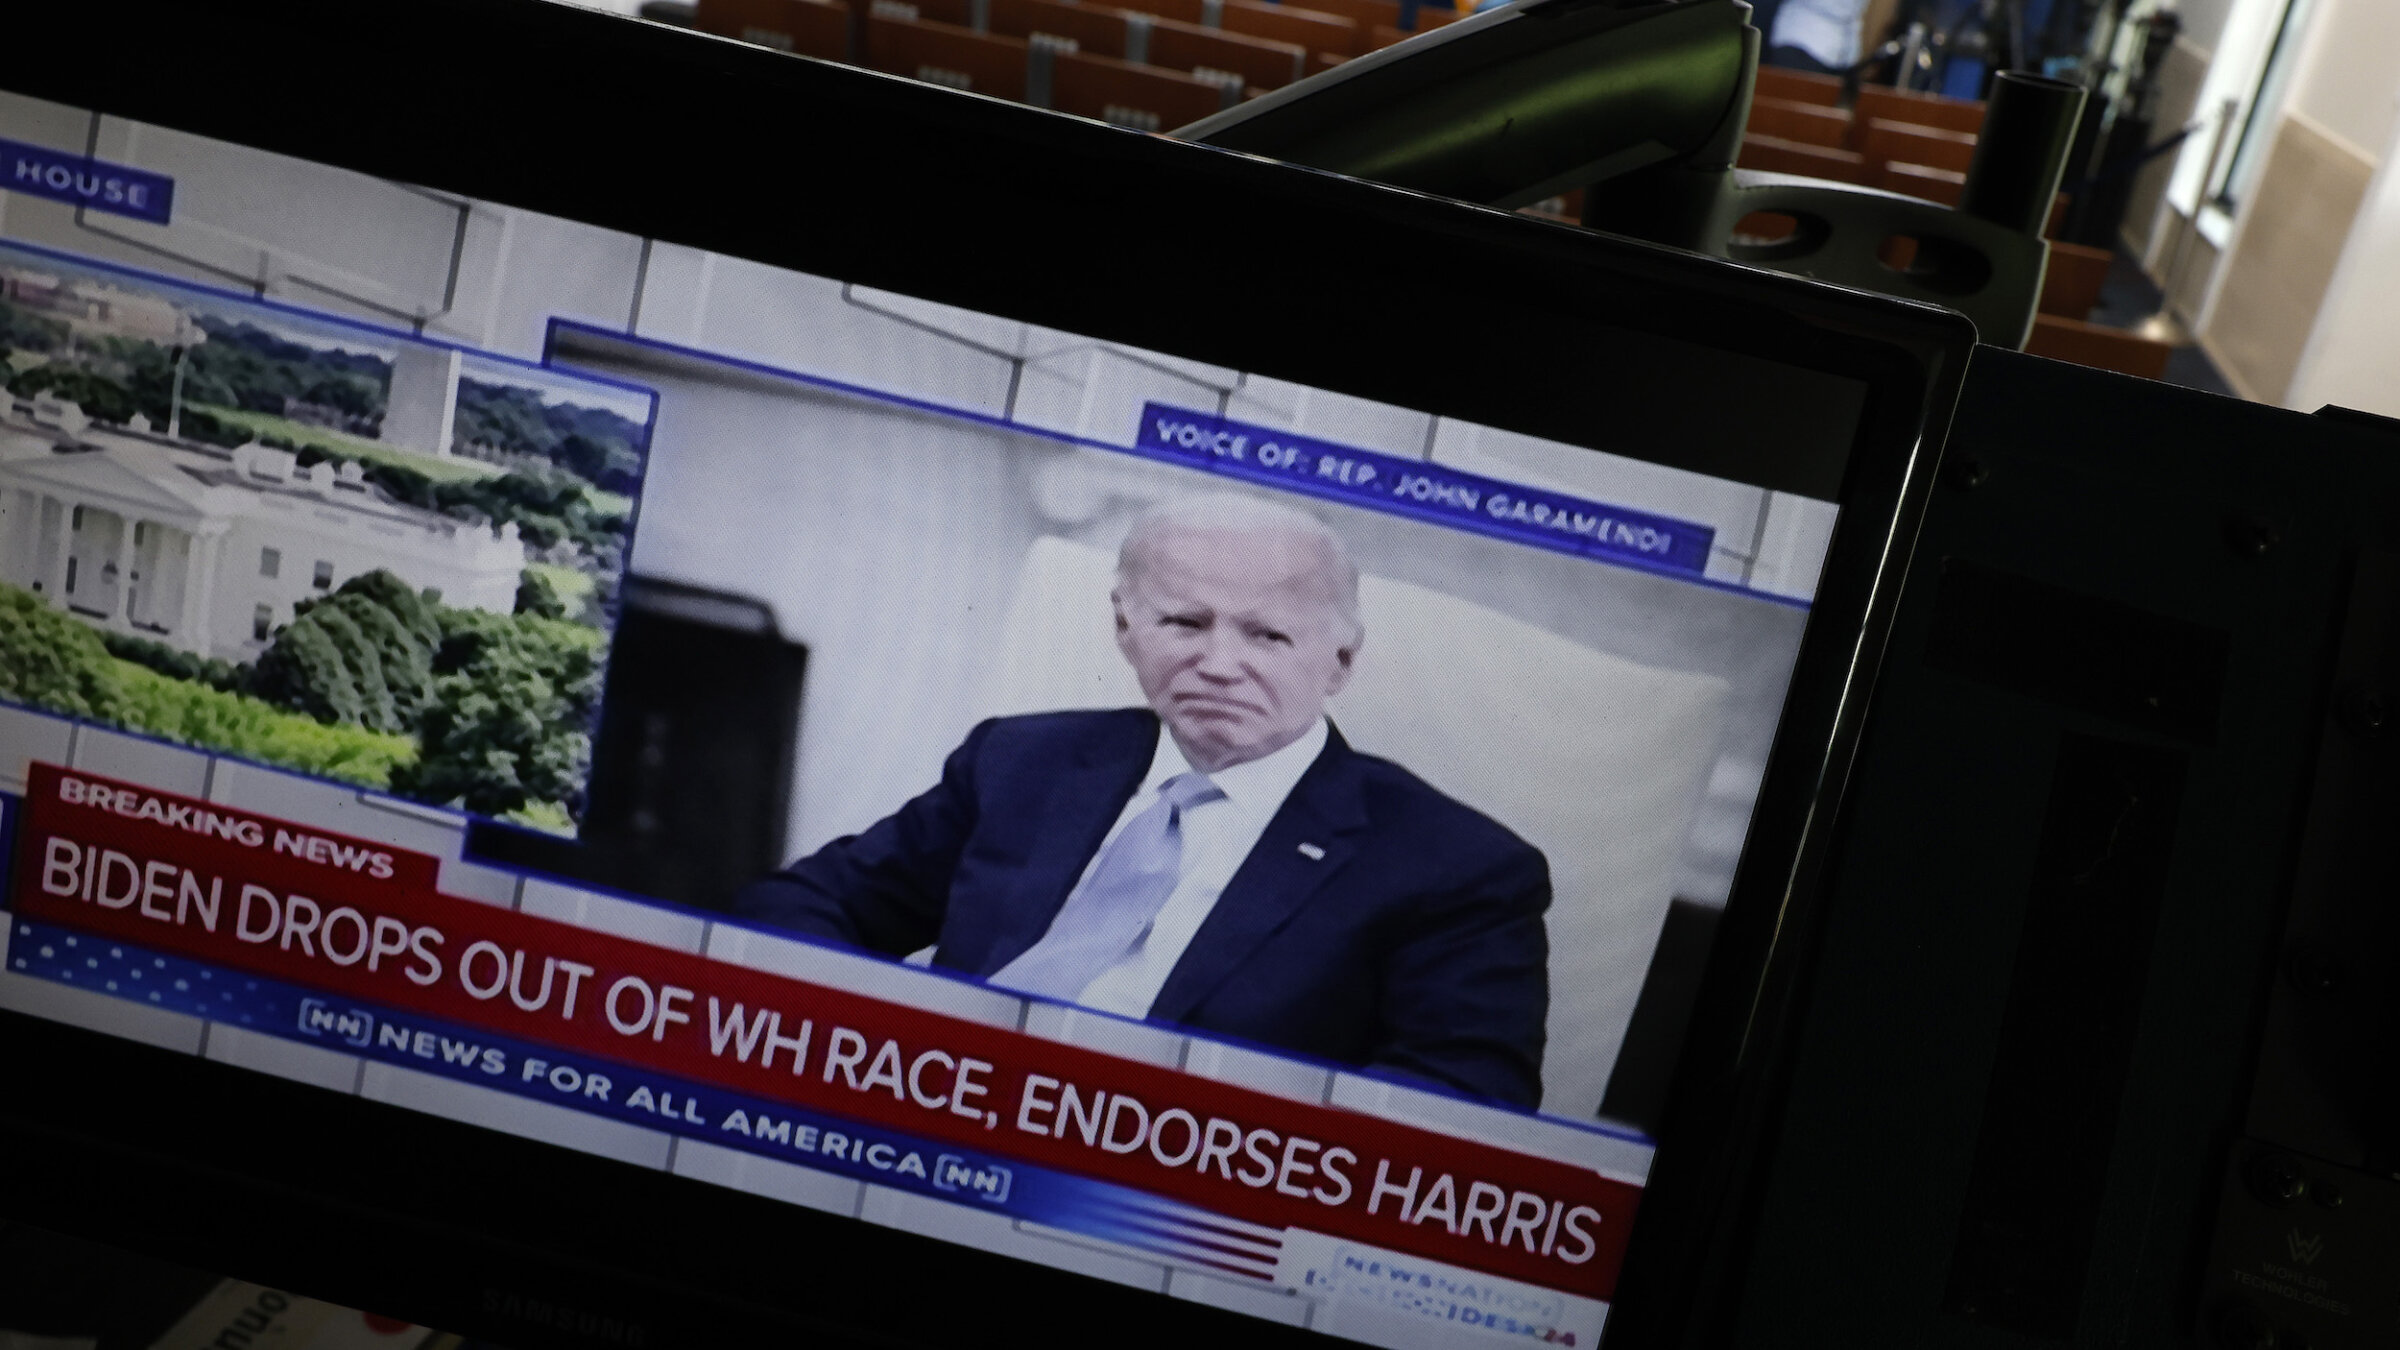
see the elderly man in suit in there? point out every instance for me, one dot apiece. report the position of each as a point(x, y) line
point(1219, 859)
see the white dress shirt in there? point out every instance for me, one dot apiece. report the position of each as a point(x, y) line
point(1826, 29)
point(1217, 837)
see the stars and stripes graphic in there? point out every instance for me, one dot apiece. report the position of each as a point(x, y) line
point(178, 984)
point(1181, 1233)
point(1090, 1210)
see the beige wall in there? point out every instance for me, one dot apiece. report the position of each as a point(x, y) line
point(2353, 355)
point(2277, 274)
point(2204, 20)
point(2258, 302)
point(2190, 281)
point(2301, 315)
point(2351, 71)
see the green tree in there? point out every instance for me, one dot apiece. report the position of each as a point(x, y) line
point(595, 444)
point(100, 397)
point(419, 615)
point(50, 661)
point(404, 484)
point(241, 365)
point(606, 460)
point(27, 331)
point(501, 704)
point(304, 670)
point(376, 709)
point(201, 425)
point(363, 655)
point(149, 378)
point(536, 596)
point(507, 727)
point(174, 661)
point(347, 392)
point(404, 660)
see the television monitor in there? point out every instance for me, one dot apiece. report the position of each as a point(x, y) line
point(1278, 664)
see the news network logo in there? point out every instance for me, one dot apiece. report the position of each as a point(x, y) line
point(988, 1182)
point(319, 1018)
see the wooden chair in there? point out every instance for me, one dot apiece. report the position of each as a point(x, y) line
point(1365, 13)
point(819, 28)
point(2072, 285)
point(945, 54)
point(956, 13)
point(1181, 11)
point(1798, 86)
point(1122, 93)
point(1918, 180)
point(1890, 142)
point(1383, 35)
point(1317, 31)
point(1093, 28)
point(1923, 110)
point(1261, 62)
point(1769, 154)
point(2089, 344)
point(1368, 13)
point(1807, 123)
point(1320, 62)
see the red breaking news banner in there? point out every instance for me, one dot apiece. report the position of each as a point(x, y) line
point(364, 920)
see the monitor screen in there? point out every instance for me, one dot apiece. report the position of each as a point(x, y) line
point(1223, 828)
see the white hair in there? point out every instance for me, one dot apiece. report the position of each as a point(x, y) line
point(1237, 513)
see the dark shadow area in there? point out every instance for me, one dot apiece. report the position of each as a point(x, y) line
point(2130, 296)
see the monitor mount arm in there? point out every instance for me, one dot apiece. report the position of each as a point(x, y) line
point(1641, 103)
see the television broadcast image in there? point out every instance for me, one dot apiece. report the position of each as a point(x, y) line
point(1225, 827)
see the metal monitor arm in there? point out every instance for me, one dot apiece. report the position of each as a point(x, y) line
point(1642, 103)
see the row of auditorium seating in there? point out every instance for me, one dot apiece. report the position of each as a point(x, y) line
point(1920, 145)
point(1152, 64)
point(1039, 70)
point(1172, 62)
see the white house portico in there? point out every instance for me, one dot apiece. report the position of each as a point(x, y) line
point(208, 550)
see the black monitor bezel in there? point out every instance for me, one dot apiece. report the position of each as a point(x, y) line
point(1008, 210)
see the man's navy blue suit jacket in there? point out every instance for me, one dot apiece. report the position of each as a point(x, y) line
point(1412, 946)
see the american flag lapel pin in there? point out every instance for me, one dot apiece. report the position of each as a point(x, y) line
point(1312, 853)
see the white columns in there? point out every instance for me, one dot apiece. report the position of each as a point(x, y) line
point(54, 569)
point(120, 607)
point(199, 589)
point(22, 548)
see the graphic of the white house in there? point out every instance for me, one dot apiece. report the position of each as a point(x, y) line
point(207, 549)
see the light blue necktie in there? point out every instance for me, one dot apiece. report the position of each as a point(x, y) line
point(1110, 913)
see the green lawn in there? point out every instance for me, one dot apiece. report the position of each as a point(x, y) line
point(573, 586)
point(439, 468)
point(570, 584)
point(548, 817)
